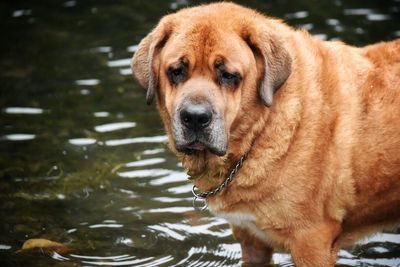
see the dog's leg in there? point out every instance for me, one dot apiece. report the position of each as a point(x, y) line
point(316, 246)
point(254, 252)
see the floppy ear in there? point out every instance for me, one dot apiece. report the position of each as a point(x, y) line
point(276, 61)
point(145, 62)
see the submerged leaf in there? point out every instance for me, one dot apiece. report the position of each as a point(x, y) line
point(45, 246)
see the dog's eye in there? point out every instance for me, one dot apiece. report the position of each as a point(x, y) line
point(227, 78)
point(177, 72)
point(177, 75)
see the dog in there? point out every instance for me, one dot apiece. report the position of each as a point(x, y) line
point(295, 141)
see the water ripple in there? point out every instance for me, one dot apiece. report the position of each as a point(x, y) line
point(106, 225)
point(332, 22)
point(132, 48)
point(297, 15)
point(120, 263)
point(229, 251)
point(58, 257)
point(167, 199)
point(282, 259)
point(70, 3)
point(82, 141)
point(23, 110)
point(152, 139)
point(21, 12)
point(88, 82)
point(171, 177)
point(4, 247)
point(167, 232)
point(145, 162)
point(171, 210)
point(123, 260)
point(181, 189)
point(116, 258)
point(153, 151)
point(381, 237)
point(370, 262)
point(101, 114)
point(144, 173)
point(109, 127)
point(102, 49)
point(378, 17)
point(188, 261)
point(125, 71)
point(358, 11)
point(182, 231)
point(119, 62)
point(19, 137)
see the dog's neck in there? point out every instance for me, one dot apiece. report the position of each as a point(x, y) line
point(278, 126)
point(205, 169)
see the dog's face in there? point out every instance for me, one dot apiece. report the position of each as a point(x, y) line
point(201, 80)
point(206, 65)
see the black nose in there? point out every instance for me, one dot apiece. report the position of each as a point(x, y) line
point(196, 116)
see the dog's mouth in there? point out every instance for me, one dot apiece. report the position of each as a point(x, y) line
point(197, 147)
point(193, 148)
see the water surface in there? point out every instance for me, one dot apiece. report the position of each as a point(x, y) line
point(85, 162)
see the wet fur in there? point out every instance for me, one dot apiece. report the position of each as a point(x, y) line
point(324, 162)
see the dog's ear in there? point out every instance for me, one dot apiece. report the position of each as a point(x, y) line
point(276, 62)
point(145, 62)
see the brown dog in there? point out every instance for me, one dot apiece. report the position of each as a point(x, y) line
point(319, 122)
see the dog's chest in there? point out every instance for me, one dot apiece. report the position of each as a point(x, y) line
point(246, 221)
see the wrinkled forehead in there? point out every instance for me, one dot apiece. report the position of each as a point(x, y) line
point(203, 42)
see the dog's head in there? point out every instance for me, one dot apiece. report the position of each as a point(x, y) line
point(208, 65)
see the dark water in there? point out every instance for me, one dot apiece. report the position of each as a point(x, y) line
point(84, 161)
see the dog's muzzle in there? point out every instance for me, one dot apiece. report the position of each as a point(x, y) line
point(197, 127)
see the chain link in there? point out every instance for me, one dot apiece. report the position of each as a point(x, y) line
point(204, 195)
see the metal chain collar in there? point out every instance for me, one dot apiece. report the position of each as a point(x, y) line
point(202, 196)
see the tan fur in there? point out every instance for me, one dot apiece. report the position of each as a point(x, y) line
point(324, 160)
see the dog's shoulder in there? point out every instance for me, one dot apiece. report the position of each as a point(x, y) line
point(384, 52)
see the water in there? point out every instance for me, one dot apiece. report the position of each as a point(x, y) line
point(84, 161)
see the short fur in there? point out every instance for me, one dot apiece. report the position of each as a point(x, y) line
point(323, 168)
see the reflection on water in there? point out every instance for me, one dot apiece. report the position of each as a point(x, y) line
point(23, 110)
point(19, 137)
point(109, 127)
point(85, 162)
point(88, 82)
